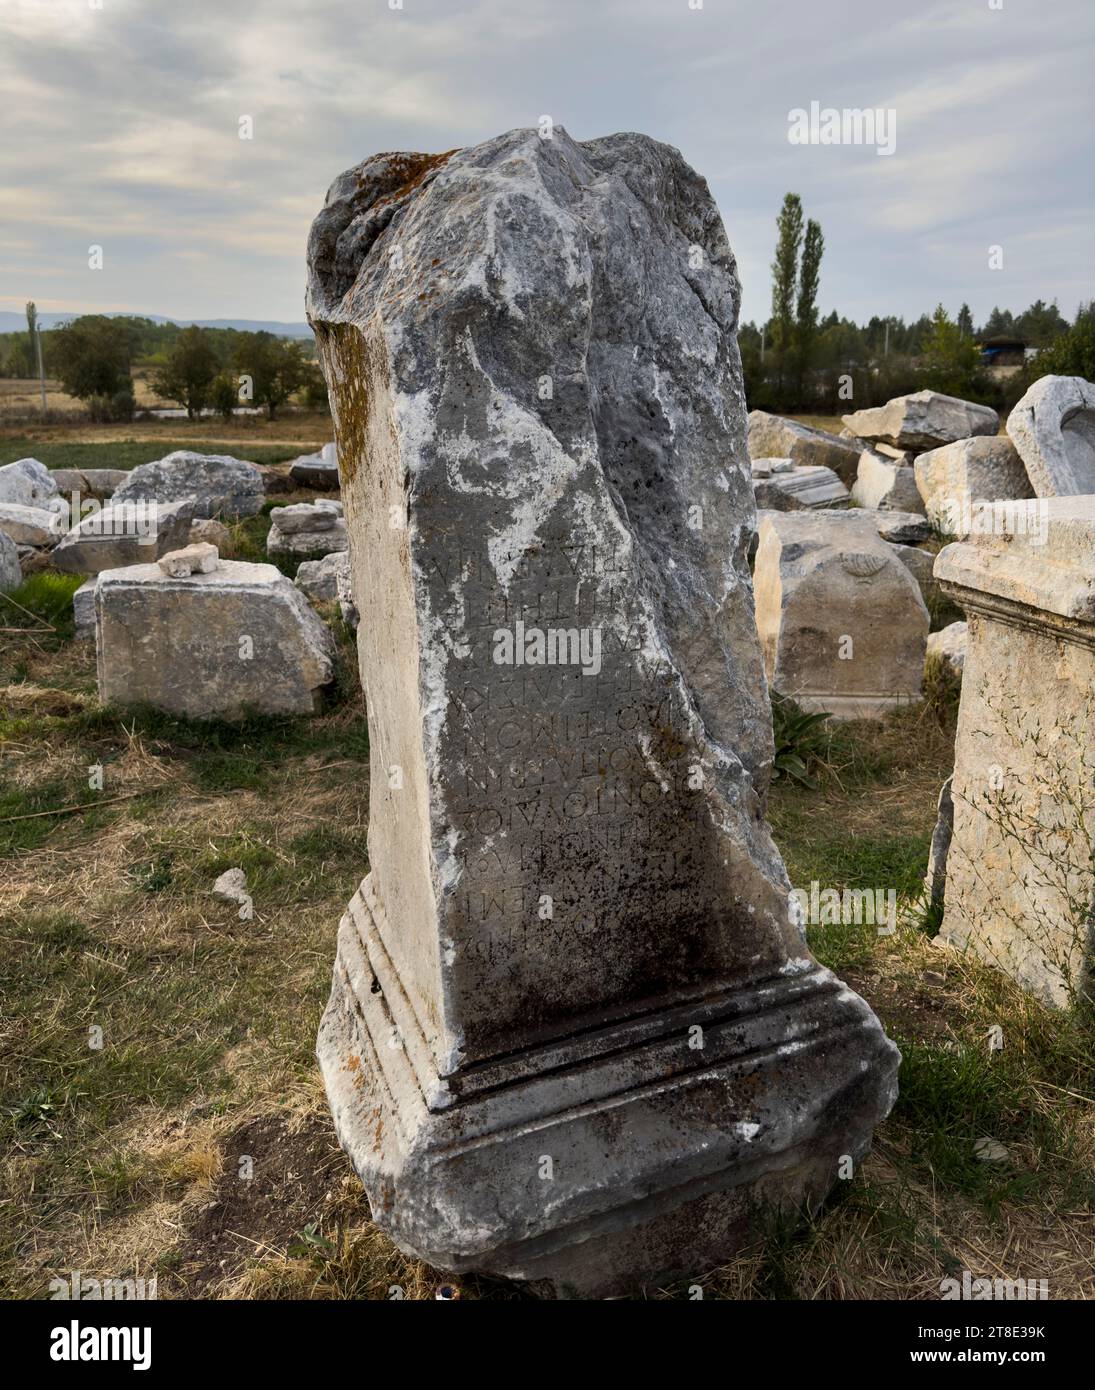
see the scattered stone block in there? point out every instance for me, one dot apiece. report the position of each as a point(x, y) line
point(936, 880)
point(96, 483)
point(903, 528)
point(124, 533)
point(774, 436)
point(953, 479)
point(211, 532)
point(347, 605)
point(989, 1150)
point(882, 484)
point(841, 620)
point(306, 529)
point(949, 645)
point(318, 471)
point(923, 420)
point(83, 609)
point(218, 484)
point(211, 645)
point(553, 898)
point(27, 483)
point(200, 558)
point(902, 456)
point(921, 565)
point(231, 887)
point(319, 578)
point(1053, 429)
point(779, 485)
point(11, 571)
point(1020, 872)
point(37, 526)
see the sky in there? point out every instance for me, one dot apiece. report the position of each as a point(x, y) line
point(122, 130)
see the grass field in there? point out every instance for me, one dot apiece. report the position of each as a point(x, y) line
point(151, 1042)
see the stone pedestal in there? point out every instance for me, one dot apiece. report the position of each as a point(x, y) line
point(1020, 882)
point(574, 1035)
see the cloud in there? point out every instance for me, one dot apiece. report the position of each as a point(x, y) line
point(128, 134)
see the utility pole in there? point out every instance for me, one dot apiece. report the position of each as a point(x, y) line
point(763, 341)
point(41, 371)
point(886, 349)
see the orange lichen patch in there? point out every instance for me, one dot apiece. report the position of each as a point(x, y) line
point(411, 169)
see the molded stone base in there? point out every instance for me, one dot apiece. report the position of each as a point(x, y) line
point(660, 1154)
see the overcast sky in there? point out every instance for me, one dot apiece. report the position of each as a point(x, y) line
point(122, 130)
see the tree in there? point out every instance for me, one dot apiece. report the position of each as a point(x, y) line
point(951, 361)
point(276, 366)
point(1000, 324)
point(813, 246)
point(1041, 324)
point(784, 281)
point(187, 371)
point(1072, 354)
point(965, 321)
point(91, 357)
point(223, 396)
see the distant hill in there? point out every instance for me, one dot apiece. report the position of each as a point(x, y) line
point(15, 323)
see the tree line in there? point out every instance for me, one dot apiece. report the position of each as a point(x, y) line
point(796, 360)
point(93, 358)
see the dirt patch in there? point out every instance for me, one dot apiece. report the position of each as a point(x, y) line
point(294, 1166)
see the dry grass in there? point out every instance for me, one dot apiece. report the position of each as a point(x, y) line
point(128, 1160)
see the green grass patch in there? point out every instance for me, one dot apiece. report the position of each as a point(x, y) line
point(43, 598)
point(128, 453)
point(25, 819)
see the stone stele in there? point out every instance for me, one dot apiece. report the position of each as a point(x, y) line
point(574, 1035)
point(841, 620)
point(1020, 882)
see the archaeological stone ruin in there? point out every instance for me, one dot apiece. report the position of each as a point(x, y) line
point(842, 622)
point(1020, 870)
point(208, 638)
point(575, 1036)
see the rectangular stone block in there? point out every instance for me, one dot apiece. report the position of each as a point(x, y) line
point(209, 645)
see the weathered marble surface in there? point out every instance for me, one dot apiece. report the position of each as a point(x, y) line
point(1053, 428)
point(952, 479)
point(883, 484)
point(774, 436)
point(1020, 879)
point(784, 487)
point(211, 645)
point(841, 619)
point(923, 420)
point(530, 348)
point(219, 484)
